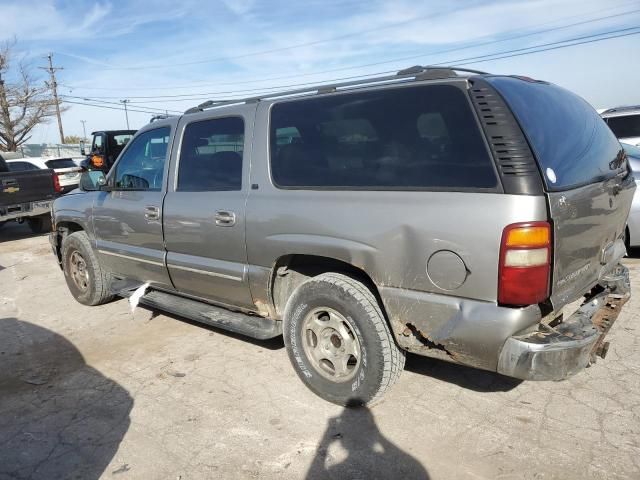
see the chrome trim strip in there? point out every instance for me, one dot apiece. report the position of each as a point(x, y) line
point(131, 258)
point(206, 272)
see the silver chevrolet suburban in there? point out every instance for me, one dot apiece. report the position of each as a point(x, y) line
point(440, 211)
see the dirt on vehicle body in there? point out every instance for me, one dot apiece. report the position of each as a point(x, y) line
point(451, 216)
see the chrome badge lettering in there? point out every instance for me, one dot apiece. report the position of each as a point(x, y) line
point(573, 275)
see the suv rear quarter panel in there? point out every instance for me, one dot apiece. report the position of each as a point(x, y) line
point(391, 235)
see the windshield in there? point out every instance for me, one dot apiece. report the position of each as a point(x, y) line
point(625, 126)
point(572, 144)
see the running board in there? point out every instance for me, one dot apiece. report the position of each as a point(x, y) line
point(250, 325)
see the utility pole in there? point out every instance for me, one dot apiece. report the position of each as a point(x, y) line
point(54, 90)
point(84, 130)
point(126, 113)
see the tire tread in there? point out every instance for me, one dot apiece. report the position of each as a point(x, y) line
point(394, 358)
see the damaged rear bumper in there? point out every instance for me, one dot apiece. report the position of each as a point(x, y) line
point(555, 352)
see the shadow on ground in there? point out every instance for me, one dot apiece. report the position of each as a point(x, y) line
point(13, 230)
point(59, 418)
point(353, 447)
point(461, 375)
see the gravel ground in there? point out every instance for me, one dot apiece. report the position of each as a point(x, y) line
point(99, 392)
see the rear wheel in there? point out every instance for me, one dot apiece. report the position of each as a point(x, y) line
point(85, 278)
point(339, 342)
point(40, 224)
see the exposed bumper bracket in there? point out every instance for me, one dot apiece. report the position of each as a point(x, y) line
point(555, 353)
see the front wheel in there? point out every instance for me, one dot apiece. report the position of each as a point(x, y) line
point(85, 277)
point(40, 224)
point(339, 342)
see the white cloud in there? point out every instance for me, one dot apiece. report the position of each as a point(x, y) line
point(370, 33)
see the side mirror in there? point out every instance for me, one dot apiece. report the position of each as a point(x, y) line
point(92, 181)
point(82, 150)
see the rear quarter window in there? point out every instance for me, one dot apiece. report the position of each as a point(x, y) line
point(572, 144)
point(625, 126)
point(419, 137)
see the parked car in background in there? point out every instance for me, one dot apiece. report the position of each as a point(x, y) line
point(632, 237)
point(27, 194)
point(444, 212)
point(67, 169)
point(625, 123)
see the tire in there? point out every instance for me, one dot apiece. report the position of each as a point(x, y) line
point(85, 277)
point(627, 240)
point(40, 224)
point(2, 223)
point(313, 310)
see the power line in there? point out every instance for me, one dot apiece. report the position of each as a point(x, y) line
point(474, 59)
point(98, 100)
point(478, 59)
point(301, 45)
point(110, 108)
point(411, 57)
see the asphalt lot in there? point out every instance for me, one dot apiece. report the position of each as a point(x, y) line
point(99, 392)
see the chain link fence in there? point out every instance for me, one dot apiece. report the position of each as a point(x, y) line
point(52, 150)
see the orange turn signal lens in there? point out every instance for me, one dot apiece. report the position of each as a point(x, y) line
point(97, 160)
point(530, 236)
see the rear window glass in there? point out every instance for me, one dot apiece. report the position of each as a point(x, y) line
point(401, 138)
point(61, 163)
point(626, 126)
point(572, 144)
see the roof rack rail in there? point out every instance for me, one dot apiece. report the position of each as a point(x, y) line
point(414, 73)
point(621, 109)
point(160, 117)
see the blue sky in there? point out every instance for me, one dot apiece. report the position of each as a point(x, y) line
point(126, 49)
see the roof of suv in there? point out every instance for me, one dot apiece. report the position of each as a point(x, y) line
point(620, 111)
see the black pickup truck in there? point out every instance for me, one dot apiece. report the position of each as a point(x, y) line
point(27, 195)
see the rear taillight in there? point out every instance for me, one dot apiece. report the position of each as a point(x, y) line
point(525, 263)
point(56, 183)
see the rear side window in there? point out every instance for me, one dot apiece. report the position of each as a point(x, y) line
point(400, 138)
point(61, 163)
point(626, 126)
point(572, 144)
point(211, 156)
point(22, 166)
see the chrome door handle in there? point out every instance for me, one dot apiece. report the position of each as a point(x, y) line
point(225, 218)
point(151, 212)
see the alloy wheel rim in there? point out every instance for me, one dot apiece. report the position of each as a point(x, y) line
point(331, 345)
point(78, 271)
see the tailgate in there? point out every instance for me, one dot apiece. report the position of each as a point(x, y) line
point(587, 180)
point(23, 187)
point(588, 225)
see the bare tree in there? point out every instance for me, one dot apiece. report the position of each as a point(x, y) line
point(24, 103)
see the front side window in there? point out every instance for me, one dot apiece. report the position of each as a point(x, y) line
point(211, 156)
point(97, 144)
point(401, 138)
point(141, 166)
